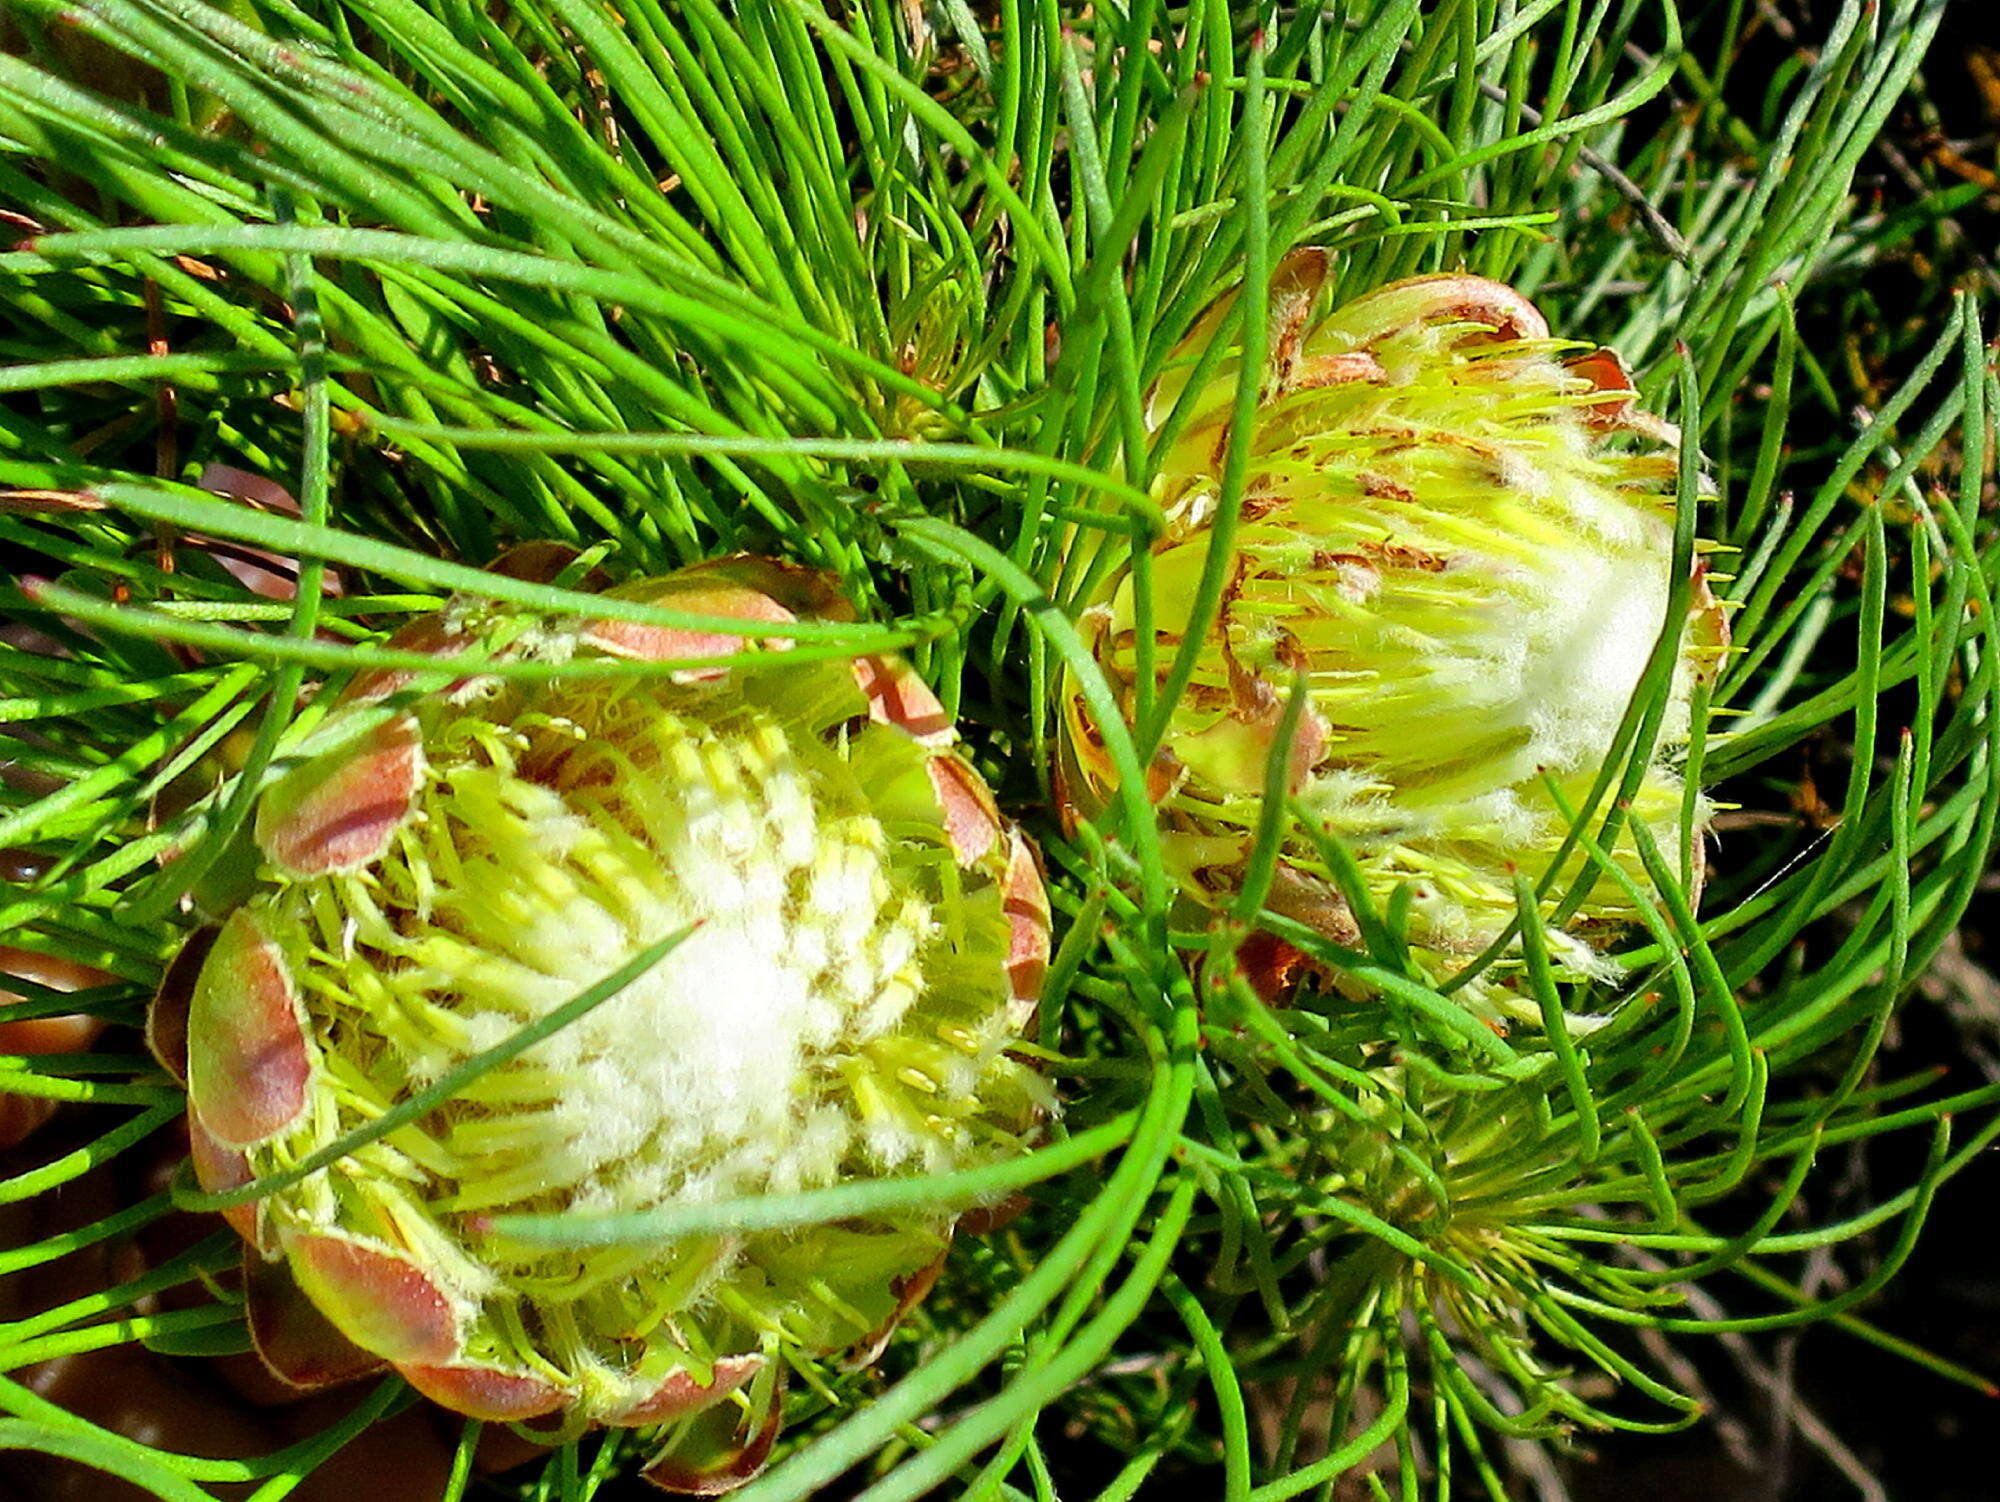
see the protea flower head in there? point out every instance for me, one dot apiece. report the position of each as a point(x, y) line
point(870, 939)
point(1457, 534)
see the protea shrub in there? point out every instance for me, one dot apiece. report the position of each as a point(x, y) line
point(1457, 535)
point(866, 937)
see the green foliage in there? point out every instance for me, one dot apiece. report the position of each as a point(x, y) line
point(883, 288)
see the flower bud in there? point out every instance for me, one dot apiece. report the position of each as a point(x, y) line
point(1457, 536)
point(867, 937)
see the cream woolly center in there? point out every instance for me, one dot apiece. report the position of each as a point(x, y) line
point(1596, 637)
point(1563, 655)
point(715, 1074)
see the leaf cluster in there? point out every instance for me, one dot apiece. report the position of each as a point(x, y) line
point(885, 289)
